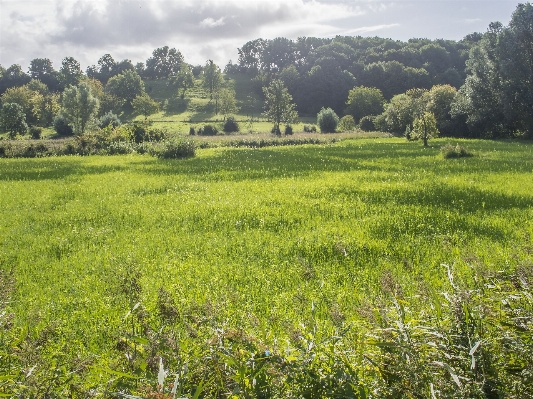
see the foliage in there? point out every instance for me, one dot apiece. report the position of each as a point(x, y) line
point(109, 119)
point(425, 127)
point(327, 120)
point(288, 130)
point(79, 107)
point(36, 132)
point(310, 128)
point(346, 123)
point(144, 105)
point(227, 103)
point(62, 127)
point(231, 125)
point(174, 149)
point(207, 130)
point(70, 72)
point(211, 78)
point(454, 151)
point(13, 120)
point(164, 63)
point(279, 105)
point(363, 101)
point(183, 80)
point(125, 86)
point(366, 124)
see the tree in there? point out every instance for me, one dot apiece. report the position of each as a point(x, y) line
point(227, 102)
point(279, 105)
point(79, 107)
point(164, 62)
point(125, 86)
point(425, 127)
point(440, 99)
point(13, 76)
point(13, 120)
point(144, 105)
point(184, 79)
point(212, 78)
point(42, 69)
point(70, 72)
point(327, 120)
point(364, 101)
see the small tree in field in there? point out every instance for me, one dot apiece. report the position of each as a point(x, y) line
point(425, 127)
point(145, 106)
point(79, 107)
point(13, 119)
point(279, 105)
point(327, 120)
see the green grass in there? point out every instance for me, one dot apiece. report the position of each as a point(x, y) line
point(267, 241)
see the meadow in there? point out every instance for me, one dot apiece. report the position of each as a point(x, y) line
point(335, 270)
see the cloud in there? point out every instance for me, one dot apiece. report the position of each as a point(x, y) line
point(211, 23)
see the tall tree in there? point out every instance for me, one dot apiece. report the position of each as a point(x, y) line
point(70, 72)
point(13, 120)
point(279, 105)
point(43, 70)
point(227, 101)
point(164, 62)
point(212, 78)
point(13, 76)
point(364, 101)
point(125, 86)
point(79, 107)
point(144, 105)
point(184, 79)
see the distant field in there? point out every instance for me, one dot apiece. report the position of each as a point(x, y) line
point(269, 243)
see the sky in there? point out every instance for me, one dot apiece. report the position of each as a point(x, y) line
point(215, 29)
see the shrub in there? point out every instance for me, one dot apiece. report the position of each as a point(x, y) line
point(231, 125)
point(288, 130)
point(366, 124)
point(310, 128)
point(61, 126)
point(192, 132)
point(138, 133)
point(208, 130)
point(454, 151)
point(275, 130)
point(174, 149)
point(327, 120)
point(109, 119)
point(346, 123)
point(36, 132)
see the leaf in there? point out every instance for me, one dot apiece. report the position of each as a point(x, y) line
point(471, 353)
point(454, 376)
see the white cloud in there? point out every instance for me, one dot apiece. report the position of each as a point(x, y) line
point(211, 23)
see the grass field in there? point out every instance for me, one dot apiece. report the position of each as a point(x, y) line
point(109, 263)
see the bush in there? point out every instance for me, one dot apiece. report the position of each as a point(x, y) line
point(109, 119)
point(231, 125)
point(454, 151)
point(346, 123)
point(174, 149)
point(310, 128)
point(61, 126)
point(366, 124)
point(192, 132)
point(288, 130)
point(36, 132)
point(327, 120)
point(275, 131)
point(208, 130)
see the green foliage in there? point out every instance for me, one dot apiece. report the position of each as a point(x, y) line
point(454, 151)
point(211, 78)
point(36, 132)
point(125, 86)
point(13, 120)
point(62, 127)
point(327, 120)
point(346, 123)
point(310, 128)
point(425, 127)
point(144, 105)
point(79, 107)
point(109, 119)
point(227, 104)
point(366, 124)
point(231, 125)
point(288, 130)
point(173, 149)
point(207, 130)
point(363, 101)
point(279, 105)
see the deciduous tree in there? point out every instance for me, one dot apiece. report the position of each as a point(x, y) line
point(279, 105)
point(13, 119)
point(145, 106)
point(79, 107)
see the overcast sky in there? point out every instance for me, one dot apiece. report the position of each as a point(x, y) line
point(214, 29)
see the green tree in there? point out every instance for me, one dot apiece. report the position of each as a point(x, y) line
point(440, 100)
point(327, 120)
point(279, 105)
point(79, 107)
point(125, 86)
point(184, 79)
point(164, 62)
point(22, 96)
point(227, 101)
point(425, 127)
point(364, 101)
point(70, 72)
point(13, 120)
point(144, 105)
point(212, 78)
